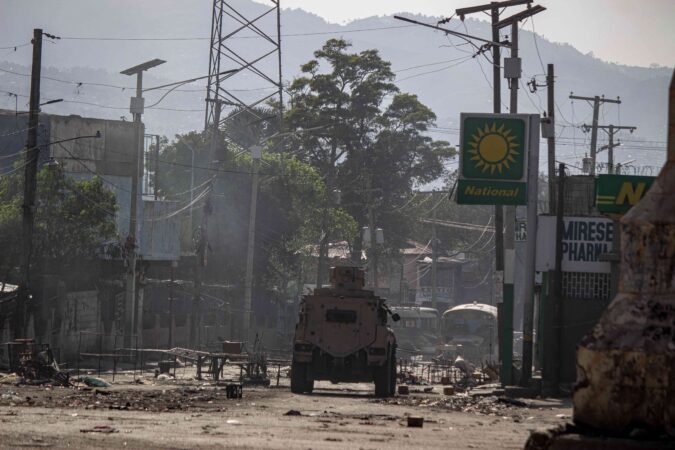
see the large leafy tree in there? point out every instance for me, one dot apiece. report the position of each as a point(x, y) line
point(290, 194)
point(365, 137)
point(72, 219)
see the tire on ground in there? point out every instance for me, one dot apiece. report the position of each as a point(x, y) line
point(299, 377)
point(392, 386)
point(383, 378)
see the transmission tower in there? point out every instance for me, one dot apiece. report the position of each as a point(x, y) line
point(244, 61)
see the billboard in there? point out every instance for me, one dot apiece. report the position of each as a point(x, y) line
point(585, 241)
point(493, 159)
point(618, 193)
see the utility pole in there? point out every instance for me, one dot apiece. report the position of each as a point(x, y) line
point(373, 239)
point(434, 260)
point(30, 182)
point(494, 8)
point(256, 154)
point(550, 140)
point(611, 130)
point(132, 324)
point(512, 71)
point(557, 296)
point(597, 101)
point(502, 245)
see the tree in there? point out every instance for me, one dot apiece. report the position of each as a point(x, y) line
point(72, 219)
point(290, 193)
point(374, 153)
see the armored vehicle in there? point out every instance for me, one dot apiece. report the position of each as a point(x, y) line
point(342, 335)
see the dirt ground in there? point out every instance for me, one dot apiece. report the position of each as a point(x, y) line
point(193, 414)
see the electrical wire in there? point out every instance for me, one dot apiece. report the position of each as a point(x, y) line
point(14, 47)
point(464, 59)
point(319, 33)
point(536, 45)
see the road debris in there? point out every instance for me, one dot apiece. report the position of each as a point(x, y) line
point(94, 382)
point(461, 402)
point(107, 429)
point(415, 422)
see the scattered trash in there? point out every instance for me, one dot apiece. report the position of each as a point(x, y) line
point(460, 402)
point(234, 390)
point(35, 364)
point(94, 382)
point(232, 422)
point(292, 412)
point(164, 377)
point(10, 378)
point(100, 429)
point(512, 401)
point(415, 422)
point(563, 416)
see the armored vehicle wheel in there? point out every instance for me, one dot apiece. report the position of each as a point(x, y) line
point(299, 380)
point(383, 379)
point(392, 386)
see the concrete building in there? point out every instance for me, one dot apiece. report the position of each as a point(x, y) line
point(84, 309)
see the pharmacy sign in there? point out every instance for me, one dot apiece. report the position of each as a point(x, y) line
point(493, 159)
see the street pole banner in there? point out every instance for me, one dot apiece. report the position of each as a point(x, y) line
point(493, 159)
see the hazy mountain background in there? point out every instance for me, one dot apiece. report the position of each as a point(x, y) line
point(437, 68)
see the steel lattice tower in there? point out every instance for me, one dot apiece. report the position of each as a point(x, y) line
point(244, 61)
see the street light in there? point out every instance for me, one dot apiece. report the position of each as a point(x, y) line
point(136, 108)
point(256, 154)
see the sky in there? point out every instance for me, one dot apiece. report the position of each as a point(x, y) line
point(633, 32)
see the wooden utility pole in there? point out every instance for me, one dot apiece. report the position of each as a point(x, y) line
point(550, 140)
point(502, 241)
point(513, 72)
point(596, 102)
point(30, 183)
point(611, 130)
point(494, 8)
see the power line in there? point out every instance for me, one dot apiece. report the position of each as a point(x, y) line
point(318, 33)
point(14, 47)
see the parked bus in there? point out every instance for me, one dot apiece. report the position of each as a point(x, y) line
point(417, 333)
point(470, 331)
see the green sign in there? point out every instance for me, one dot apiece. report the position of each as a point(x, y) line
point(493, 148)
point(482, 192)
point(493, 159)
point(619, 193)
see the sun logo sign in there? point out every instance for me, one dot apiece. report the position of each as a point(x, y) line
point(493, 148)
point(493, 159)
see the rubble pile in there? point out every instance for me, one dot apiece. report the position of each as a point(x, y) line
point(193, 399)
point(488, 405)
